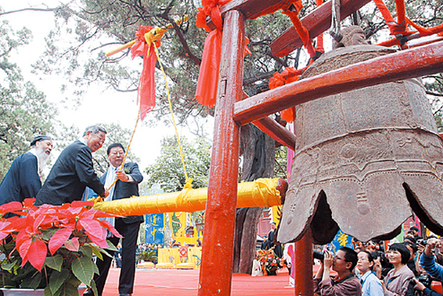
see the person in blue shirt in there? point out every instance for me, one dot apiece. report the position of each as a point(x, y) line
point(371, 285)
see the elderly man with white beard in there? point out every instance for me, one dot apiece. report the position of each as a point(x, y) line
point(23, 178)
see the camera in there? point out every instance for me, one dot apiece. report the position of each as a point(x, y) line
point(318, 255)
point(425, 279)
point(422, 242)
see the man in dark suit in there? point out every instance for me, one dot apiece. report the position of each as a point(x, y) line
point(73, 170)
point(126, 186)
point(23, 178)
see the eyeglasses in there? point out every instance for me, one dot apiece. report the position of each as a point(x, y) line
point(338, 258)
point(118, 153)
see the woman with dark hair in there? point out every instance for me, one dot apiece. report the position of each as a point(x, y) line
point(371, 285)
point(397, 280)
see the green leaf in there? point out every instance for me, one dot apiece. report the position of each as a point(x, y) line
point(48, 291)
point(111, 246)
point(57, 280)
point(67, 289)
point(86, 250)
point(83, 269)
point(93, 287)
point(96, 271)
point(32, 282)
point(9, 266)
point(55, 262)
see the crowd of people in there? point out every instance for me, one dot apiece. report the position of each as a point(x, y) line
point(404, 269)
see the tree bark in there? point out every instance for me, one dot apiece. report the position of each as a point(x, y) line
point(258, 162)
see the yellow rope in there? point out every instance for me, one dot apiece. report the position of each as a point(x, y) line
point(172, 115)
point(99, 198)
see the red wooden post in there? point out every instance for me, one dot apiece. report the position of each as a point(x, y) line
point(304, 284)
point(218, 238)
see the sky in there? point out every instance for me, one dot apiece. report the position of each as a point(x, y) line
point(98, 105)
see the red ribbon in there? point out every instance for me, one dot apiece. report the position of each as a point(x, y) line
point(146, 85)
point(206, 93)
point(289, 74)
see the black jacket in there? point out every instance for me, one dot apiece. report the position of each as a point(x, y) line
point(22, 180)
point(69, 176)
point(127, 189)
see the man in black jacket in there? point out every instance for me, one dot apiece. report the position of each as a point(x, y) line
point(128, 179)
point(73, 170)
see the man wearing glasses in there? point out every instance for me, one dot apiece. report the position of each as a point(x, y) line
point(345, 283)
point(126, 186)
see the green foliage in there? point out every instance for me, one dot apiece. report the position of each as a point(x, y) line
point(168, 169)
point(281, 162)
point(95, 27)
point(24, 111)
point(148, 256)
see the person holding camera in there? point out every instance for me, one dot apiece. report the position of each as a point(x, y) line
point(421, 286)
point(427, 260)
point(345, 283)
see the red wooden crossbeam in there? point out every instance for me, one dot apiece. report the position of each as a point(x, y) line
point(251, 9)
point(273, 129)
point(316, 23)
point(406, 64)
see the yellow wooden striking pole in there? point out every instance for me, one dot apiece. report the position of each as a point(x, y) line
point(259, 193)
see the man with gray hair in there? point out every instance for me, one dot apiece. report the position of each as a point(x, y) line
point(73, 170)
point(23, 178)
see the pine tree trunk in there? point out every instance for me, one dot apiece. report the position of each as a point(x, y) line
point(258, 152)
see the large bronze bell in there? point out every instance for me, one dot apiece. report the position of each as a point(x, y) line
point(363, 159)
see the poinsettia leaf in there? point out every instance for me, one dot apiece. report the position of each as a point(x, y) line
point(47, 291)
point(86, 250)
point(38, 221)
point(92, 227)
point(23, 250)
point(83, 269)
point(77, 203)
point(57, 280)
point(54, 262)
point(9, 266)
point(72, 244)
point(109, 227)
point(37, 254)
point(58, 239)
point(97, 253)
point(93, 287)
point(111, 246)
point(35, 280)
point(11, 207)
point(28, 202)
point(100, 214)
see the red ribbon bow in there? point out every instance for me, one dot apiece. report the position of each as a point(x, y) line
point(146, 85)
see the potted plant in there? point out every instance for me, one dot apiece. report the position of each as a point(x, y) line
point(51, 247)
point(148, 256)
point(269, 262)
